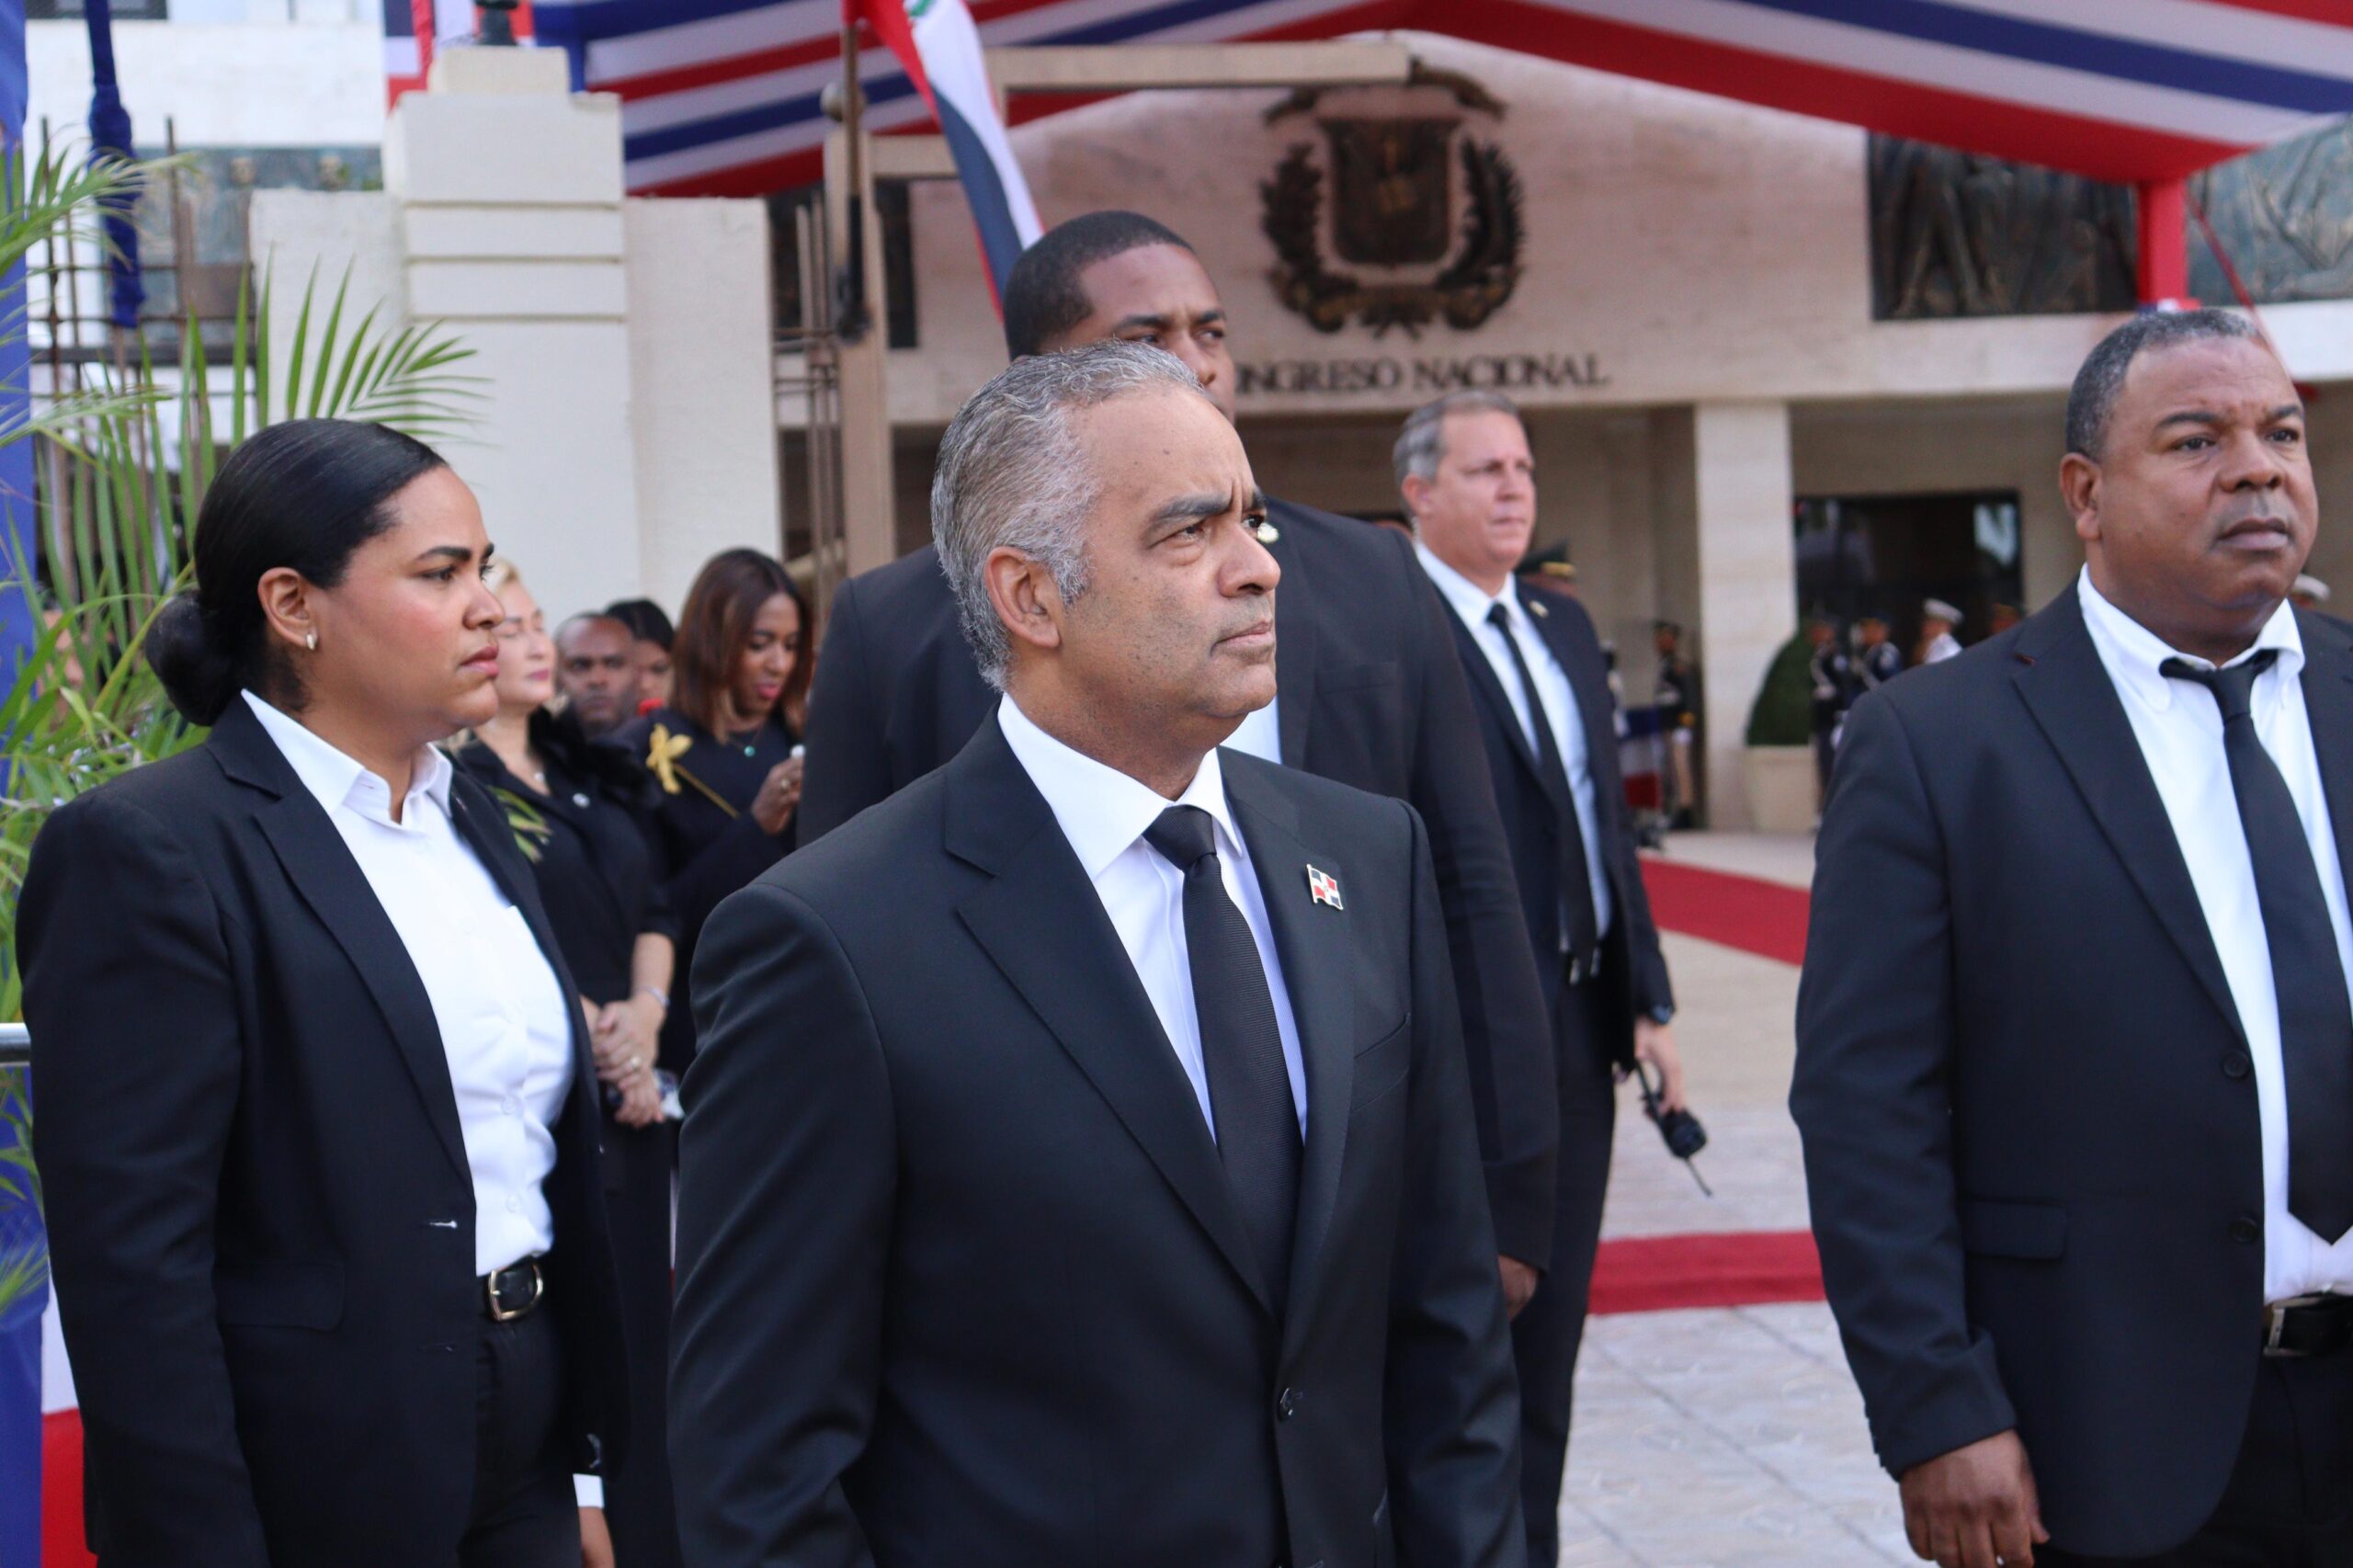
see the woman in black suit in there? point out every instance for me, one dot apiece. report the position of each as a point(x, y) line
point(569, 805)
point(725, 753)
point(318, 1116)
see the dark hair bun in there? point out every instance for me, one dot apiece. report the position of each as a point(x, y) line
point(200, 678)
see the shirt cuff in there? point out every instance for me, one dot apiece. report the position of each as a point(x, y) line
point(589, 1490)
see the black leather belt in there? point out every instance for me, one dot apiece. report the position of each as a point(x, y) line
point(514, 1291)
point(2308, 1325)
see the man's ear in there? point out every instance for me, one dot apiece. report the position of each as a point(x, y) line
point(1415, 490)
point(1027, 602)
point(2079, 491)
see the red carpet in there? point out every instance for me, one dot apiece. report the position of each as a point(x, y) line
point(1765, 918)
point(1740, 1268)
point(60, 1493)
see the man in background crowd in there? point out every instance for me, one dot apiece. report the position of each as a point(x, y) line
point(1938, 622)
point(1370, 694)
point(1545, 715)
point(595, 671)
point(1677, 694)
point(1877, 659)
point(1833, 673)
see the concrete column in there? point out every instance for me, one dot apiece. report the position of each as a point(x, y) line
point(508, 188)
point(1742, 494)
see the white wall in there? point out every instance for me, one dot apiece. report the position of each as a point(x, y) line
point(625, 430)
point(701, 373)
point(319, 82)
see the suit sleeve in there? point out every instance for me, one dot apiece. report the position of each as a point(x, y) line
point(1451, 1402)
point(848, 768)
point(1507, 1031)
point(137, 1059)
point(786, 1163)
point(1875, 1039)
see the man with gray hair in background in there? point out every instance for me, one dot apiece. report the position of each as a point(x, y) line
point(1079, 1164)
point(1542, 689)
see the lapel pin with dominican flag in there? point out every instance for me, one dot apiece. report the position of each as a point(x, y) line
point(1324, 887)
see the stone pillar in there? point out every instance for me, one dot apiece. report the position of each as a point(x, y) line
point(1743, 498)
point(508, 190)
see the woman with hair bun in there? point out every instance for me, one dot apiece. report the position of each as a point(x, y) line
point(725, 752)
point(318, 1124)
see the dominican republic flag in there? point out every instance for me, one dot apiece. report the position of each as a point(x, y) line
point(937, 44)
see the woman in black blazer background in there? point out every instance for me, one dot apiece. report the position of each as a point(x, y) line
point(724, 753)
point(569, 805)
point(318, 1117)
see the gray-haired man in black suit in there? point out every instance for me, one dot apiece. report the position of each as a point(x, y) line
point(1079, 1165)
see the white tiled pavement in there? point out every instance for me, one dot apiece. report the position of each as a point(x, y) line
point(1723, 1438)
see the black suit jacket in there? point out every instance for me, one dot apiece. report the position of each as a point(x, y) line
point(261, 1220)
point(2030, 1130)
point(960, 1278)
point(1537, 817)
point(1372, 696)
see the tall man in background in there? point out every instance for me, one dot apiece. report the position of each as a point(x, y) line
point(1370, 694)
point(1542, 695)
point(2075, 1048)
point(595, 671)
point(1078, 1166)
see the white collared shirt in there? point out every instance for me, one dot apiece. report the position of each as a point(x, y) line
point(1472, 603)
point(504, 1023)
point(1104, 814)
point(2180, 727)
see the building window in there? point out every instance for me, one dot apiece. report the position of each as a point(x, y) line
point(73, 10)
point(1885, 555)
point(786, 283)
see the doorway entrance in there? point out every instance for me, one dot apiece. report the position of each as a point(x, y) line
point(1883, 555)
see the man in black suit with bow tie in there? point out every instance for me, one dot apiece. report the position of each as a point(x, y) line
point(1542, 694)
point(1079, 1165)
point(1372, 694)
point(2074, 1044)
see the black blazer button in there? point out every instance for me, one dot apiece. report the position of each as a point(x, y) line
point(1286, 1405)
point(2237, 1065)
point(2246, 1231)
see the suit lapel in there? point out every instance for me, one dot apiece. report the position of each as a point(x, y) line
point(1490, 689)
point(2068, 690)
point(2328, 710)
point(321, 867)
point(1041, 922)
point(1312, 941)
point(1295, 637)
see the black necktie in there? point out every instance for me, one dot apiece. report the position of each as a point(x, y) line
point(2307, 975)
point(1242, 1048)
point(1577, 880)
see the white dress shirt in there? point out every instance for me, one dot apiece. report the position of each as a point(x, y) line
point(1472, 604)
point(2180, 727)
point(504, 1023)
point(1942, 647)
point(1104, 814)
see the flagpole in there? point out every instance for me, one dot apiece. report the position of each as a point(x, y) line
point(850, 316)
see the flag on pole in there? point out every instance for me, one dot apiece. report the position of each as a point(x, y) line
point(938, 46)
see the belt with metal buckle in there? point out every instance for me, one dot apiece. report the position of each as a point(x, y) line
point(2308, 1325)
point(513, 1291)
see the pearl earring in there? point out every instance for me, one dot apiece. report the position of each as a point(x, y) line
point(311, 641)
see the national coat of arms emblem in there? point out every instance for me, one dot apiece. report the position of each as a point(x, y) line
point(1395, 207)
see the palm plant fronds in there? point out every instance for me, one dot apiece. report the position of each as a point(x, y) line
point(129, 456)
